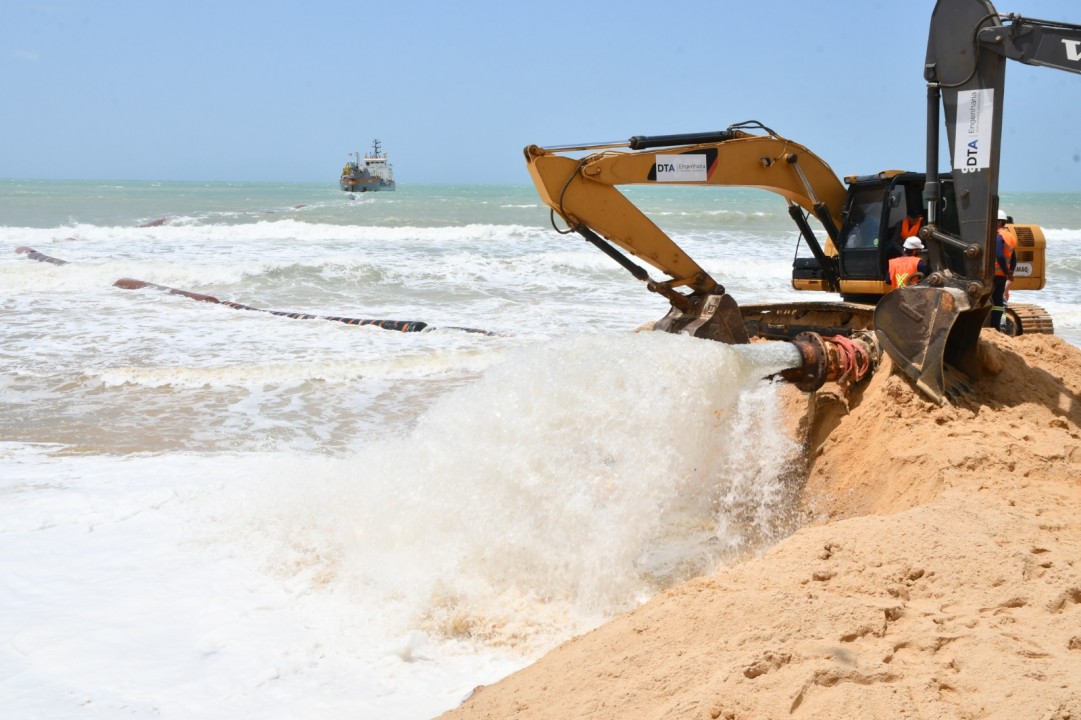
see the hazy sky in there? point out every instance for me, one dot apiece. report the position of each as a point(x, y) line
point(283, 91)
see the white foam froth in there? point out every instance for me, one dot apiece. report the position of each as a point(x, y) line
point(601, 443)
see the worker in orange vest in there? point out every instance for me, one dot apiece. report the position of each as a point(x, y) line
point(910, 268)
point(909, 227)
point(1005, 264)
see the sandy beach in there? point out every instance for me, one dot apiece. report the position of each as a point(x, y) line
point(937, 575)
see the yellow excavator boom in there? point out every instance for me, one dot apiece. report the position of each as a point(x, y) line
point(583, 191)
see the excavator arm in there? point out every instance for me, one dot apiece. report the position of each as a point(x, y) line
point(1047, 43)
point(583, 192)
point(938, 323)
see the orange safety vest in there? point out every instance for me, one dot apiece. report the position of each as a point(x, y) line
point(908, 229)
point(902, 268)
point(1009, 243)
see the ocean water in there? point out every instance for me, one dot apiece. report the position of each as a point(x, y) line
point(216, 512)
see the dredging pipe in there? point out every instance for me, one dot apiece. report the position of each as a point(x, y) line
point(837, 358)
point(399, 325)
point(133, 284)
point(40, 257)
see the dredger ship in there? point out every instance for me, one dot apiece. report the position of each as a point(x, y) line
point(374, 173)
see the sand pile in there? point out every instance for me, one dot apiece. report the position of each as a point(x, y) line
point(939, 576)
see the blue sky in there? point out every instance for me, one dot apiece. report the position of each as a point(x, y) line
point(283, 91)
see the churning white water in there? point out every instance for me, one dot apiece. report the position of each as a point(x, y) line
point(568, 483)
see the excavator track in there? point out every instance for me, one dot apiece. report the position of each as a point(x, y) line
point(783, 321)
point(1029, 320)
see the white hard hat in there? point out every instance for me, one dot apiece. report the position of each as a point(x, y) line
point(913, 243)
point(1002, 214)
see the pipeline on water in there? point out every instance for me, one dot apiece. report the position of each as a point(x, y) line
point(816, 358)
point(133, 284)
point(40, 257)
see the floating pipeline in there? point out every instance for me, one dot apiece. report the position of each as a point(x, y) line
point(133, 284)
point(400, 325)
point(816, 359)
point(40, 257)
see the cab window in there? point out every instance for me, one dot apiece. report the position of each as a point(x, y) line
point(899, 209)
point(864, 221)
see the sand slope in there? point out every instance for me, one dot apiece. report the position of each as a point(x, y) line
point(939, 577)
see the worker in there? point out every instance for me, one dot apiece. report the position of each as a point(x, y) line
point(1005, 265)
point(910, 226)
point(902, 231)
point(910, 268)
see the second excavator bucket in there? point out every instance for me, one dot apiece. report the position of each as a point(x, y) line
point(715, 317)
point(931, 334)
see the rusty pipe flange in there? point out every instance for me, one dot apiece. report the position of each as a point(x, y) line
point(869, 341)
point(813, 371)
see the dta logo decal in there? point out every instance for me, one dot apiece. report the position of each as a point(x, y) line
point(681, 168)
point(972, 151)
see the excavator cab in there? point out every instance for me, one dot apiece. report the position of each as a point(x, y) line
point(874, 209)
point(870, 235)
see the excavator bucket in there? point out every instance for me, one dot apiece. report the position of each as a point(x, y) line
point(717, 317)
point(931, 334)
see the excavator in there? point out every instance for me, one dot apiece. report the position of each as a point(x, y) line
point(930, 329)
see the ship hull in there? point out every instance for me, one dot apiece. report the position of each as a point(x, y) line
point(365, 184)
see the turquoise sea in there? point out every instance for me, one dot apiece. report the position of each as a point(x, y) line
point(216, 512)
